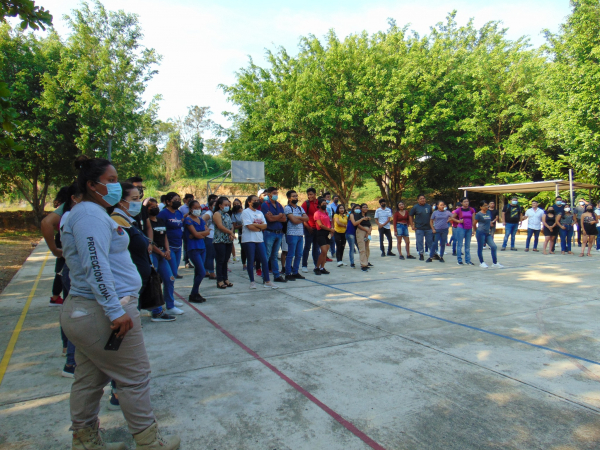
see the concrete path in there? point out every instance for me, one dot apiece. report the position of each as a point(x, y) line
point(407, 356)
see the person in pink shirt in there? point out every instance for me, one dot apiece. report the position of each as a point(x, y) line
point(324, 233)
point(463, 216)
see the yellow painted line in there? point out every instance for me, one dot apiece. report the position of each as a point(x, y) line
point(15, 334)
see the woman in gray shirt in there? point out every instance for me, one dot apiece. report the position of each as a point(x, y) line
point(482, 223)
point(103, 303)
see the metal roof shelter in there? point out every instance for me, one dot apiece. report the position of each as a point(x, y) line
point(534, 186)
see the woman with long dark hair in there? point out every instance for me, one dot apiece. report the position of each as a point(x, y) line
point(197, 231)
point(589, 231)
point(222, 242)
point(173, 219)
point(101, 309)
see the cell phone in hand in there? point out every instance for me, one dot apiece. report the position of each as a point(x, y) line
point(114, 342)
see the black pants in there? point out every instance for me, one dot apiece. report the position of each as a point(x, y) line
point(222, 254)
point(387, 233)
point(57, 286)
point(340, 245)
point(186, 258)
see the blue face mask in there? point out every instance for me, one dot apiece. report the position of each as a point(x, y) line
point(357, 211)
point(266, 198)
point(514, 202)
point(226, 209)
point(274, 197)
point(113, 195)
point(135, 208)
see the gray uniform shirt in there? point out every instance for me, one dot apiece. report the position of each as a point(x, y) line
point(95, 250)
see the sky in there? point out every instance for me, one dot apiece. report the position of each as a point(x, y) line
point(203, 43)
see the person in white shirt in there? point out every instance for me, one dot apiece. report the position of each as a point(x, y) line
point(534, 224)
point(254, 223)
point(383, 217)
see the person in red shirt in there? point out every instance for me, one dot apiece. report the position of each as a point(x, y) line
point(324, 232)
point(310, 229)
point(401, 223)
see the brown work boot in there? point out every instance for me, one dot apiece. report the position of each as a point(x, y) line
point(90, 439)
point(150, 439)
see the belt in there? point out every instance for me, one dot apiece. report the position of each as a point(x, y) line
point(275, 231)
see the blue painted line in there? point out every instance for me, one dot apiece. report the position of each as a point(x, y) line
point(459, 324)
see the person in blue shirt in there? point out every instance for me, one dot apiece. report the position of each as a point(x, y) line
point(196, 231)
point(173, 219)
point(273, 212)
point(332, 207)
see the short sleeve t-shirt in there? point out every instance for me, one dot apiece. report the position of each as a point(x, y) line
point(484, 221)
point(209, 223)
point(160, 232)
point(192, 242)
point(534, 218)
point(250, 217)
point(440, 219)
point(512, 214)
point(275, 209)
point(294, 229)
point(421, 216)
point(467, 216)
point(343, 219)
point(174, 222)
point(323, 217)
point(382, 215)
point(364, 223)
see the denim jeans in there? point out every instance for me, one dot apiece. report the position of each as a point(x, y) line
point(222, 252)
point(388, 234)
point(209, 262)
point(295, 248)
point(463, 237)
point(272, 245)
point(566, 236)
point(310, 239)
point(434, 243)
point(163, 267)
point(510, 229)
point(419, 235)
point(256, 250)
point(332, 247)
point(482, 239)
point(351, 240)
point(197, 257)
point(453, 240)
point(175, 260)
point(441, 238)
point(535, 233)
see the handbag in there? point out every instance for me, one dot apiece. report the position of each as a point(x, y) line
point(152, 295)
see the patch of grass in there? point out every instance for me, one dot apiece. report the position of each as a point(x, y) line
point(7, 234)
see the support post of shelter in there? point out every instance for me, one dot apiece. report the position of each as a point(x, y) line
point(571, 186)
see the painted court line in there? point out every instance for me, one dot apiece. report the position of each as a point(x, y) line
point(459, 324)
point(337, 417)
point(19, 326)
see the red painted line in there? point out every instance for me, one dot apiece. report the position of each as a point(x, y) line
point(337, 417)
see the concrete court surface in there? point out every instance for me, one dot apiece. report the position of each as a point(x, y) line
point(408, 356)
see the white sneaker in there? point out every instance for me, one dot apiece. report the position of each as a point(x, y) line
point(340, 264)
point(498, 266)
point(269, 284)
point(175, 311)
point(483, 265)
point(252, 285)
point(305, 269)
point(178, 303)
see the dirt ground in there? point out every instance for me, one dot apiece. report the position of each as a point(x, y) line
point(15, 247)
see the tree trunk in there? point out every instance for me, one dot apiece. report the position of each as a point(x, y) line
point(109, 151)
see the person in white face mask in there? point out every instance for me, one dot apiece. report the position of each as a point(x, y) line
point(565, 222)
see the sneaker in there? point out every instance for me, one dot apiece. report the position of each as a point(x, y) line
point(514, 249)
point(259, 273)
point(297, 276)
point(469, 264)
point(178, 303)
point(382, 254)
point(364, 269)
point(483, 265)
point(290, 278)
point(305, 269)
point(391, 254)
point(325, 272)
point(442, 259)
point(503, 249)
point(421, 258)
point(317, 272)
point(436, 257)
point(340, 264)
point(329, 260)
point(369, 264)
point(410, 257)
point(162, 317)
point(280, 279)
point(58, 302)
point(353, 266)
point(179, 277)
point(113, 403)
point(68, 371)
point(252, 285)
point(269, 285)
point(448, 245)
point(453, 253)
point(429, 260)
point(498, 266)
point(460, 264)
point(175, 311)
point(196, 298)
point(401, 257)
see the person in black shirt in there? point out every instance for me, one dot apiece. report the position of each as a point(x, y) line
point(142, 218)
point(512, 216)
